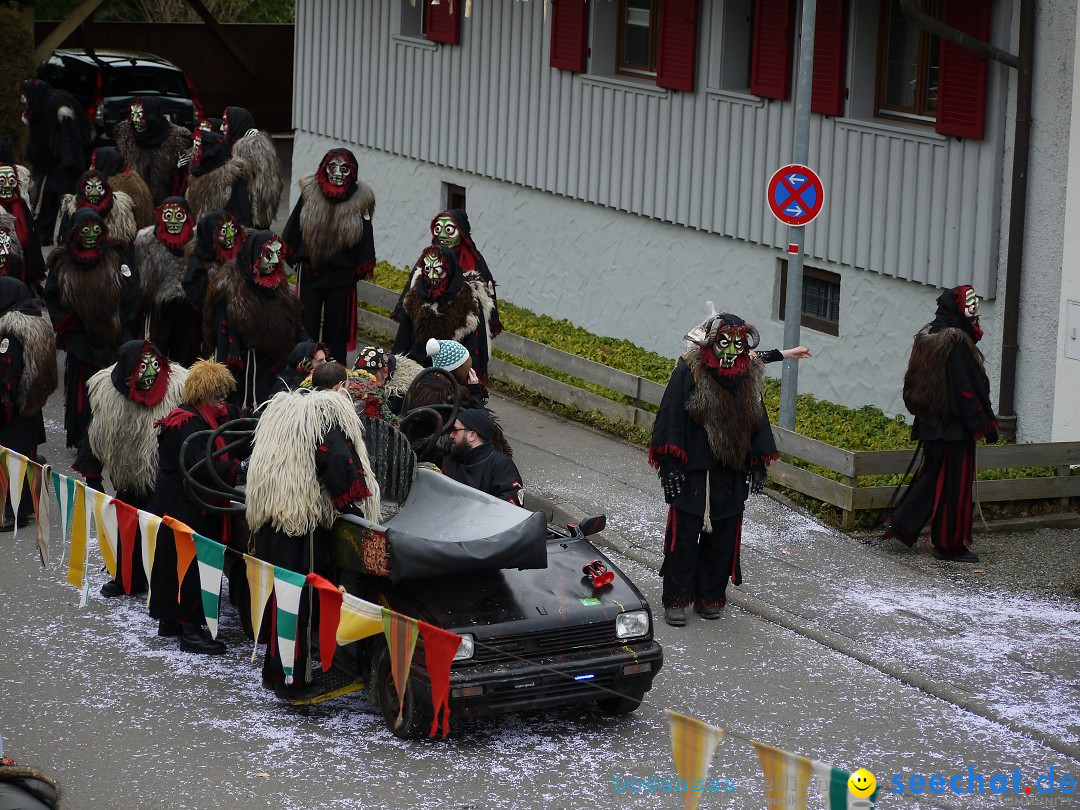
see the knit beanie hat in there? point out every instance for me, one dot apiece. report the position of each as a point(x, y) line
point(479, 420)
point(448, 354)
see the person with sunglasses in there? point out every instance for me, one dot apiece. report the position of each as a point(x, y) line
point(474, 460)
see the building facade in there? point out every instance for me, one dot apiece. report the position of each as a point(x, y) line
point(613, 156)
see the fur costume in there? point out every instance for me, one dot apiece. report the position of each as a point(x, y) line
point(213, 190)
point(12, 260)
point(444, 319)
point(123, 433)
point(284, 488)
point(403, 375)
point(93, 293)
point(926, 389)
point(142, 205)
point(157, 166)
point(59, 142)
point(266, 327)
point(160, 270)
point(39, 377)
point(328, 227)
point(206, 378)
point(729, 417)
point(120, 219)
point(265, 183)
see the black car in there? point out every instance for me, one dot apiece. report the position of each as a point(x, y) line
point(105, 82)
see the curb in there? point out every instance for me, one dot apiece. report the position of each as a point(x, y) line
point(560, 512)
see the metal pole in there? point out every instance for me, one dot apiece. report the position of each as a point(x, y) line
point(789, 380)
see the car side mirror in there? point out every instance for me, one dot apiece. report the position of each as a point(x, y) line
point(592, 525)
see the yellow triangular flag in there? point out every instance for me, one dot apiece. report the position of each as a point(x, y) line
point(148, 531)
point(787, 775)
point(693, 742)
point(80, 538)
point(359, 619)
point(260, 577)
point(105, 520)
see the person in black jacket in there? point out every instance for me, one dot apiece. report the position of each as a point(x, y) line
point(59, 147)
point(711, 433)
point(473, 459)
point(204, 407)
point(947, 391)
point(92, 296)
point(331, 242)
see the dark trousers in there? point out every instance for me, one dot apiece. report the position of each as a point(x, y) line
point(326, 317)
point(45, 221)
point(77, 376)
point(164, 586)
point(940, 493)
point(697, 565)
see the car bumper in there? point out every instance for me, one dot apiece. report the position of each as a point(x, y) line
point(508, 686)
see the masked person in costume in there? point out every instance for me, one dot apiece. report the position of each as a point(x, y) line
point(308, 463)
point(151, 144)
point(25, 231)
point(255, 146)
point(219, 181)
point(12, 263)
point(332, 244)
point(252, 319)
point(115, 207)
point(948, 393)
point(202, 408)
point(109, 161)
point(711, 433)
point(217, 242)
point(58, 147)
point(28, 375)
point(7, 155)
point(92, 295)
point(160, 255)
point(305, 357)
point(126, 402)
point(442, 304)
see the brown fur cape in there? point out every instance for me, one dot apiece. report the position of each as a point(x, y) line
point(156, 166)
point(454, 318)
point(120, 220)
point(160, 270)
point(212, 190)
point(142, 205)
point(265, 325)
point(926, 389)
point(93, 293)
point(329, 227)
point(40, 376)
point(729, 417)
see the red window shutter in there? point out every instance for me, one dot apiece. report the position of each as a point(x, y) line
point(569, 26)
point(774, 33)
point(830, 52)
point(962, 72)
point(443, 22)
point(677, 57)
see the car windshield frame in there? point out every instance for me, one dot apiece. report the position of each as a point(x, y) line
point(143, 80)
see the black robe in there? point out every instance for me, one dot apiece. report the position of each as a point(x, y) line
point(486, 469)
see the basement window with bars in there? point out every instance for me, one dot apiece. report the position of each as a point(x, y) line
point(820, 298)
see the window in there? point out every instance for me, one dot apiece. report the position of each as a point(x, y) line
point(820, 298)
point(453, 196)
point(908, 65)
point(735, 54)
point(412, 18)
point(636, 37)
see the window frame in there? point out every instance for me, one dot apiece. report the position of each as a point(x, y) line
point(418, 34)
point(881, 108)
point(452, 193)
point(623, 69)
point(814, 322)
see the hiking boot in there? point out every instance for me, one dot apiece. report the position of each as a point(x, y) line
point(167, 628)
point(964, 555)
point(675, 615)
point(199, 641)
point(709, 610)
point(112, 589)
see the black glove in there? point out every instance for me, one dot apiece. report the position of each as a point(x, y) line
point(757, 479)
point(672, 479)
point(992, 436)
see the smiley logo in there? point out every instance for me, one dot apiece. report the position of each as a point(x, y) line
point(862, 783)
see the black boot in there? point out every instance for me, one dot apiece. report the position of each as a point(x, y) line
point(198, 640)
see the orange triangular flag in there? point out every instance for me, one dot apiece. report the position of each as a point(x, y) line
point(185, 549)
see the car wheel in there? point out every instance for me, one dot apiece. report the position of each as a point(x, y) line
point(415, 722)
point(615, 706)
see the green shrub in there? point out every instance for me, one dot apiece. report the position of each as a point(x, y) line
point(17, 63)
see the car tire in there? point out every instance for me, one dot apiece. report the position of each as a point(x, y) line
point(615, 706)
point(415, 721)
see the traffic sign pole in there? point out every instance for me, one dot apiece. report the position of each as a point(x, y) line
point(789, 380)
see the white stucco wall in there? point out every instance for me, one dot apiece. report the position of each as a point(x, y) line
point(1067, 381)
point(631, 277)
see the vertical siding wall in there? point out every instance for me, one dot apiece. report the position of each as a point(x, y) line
point(905, 204)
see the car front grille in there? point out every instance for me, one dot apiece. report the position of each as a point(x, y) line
point(531, 646)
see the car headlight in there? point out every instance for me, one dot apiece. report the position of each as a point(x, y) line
point(467, 647)
point(632, 623)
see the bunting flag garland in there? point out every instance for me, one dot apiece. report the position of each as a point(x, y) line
point(693, 743)
point(127, 527)
point(15, 465)
point(80, 535)
point(288, 585)
point(105, 520)
point(149, 523)
point(787, 777)
point(401, 632)
point(39, 495)
point(211, 557)
point(440, 647)
point(359, 619)
point(329, 617)
point(832, 784)
point(260, 577)
point(64, 489)
point(185, 549)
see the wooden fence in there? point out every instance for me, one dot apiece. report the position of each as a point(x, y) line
point(847, 495)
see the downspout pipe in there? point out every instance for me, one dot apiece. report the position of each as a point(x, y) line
point(1023, 63)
